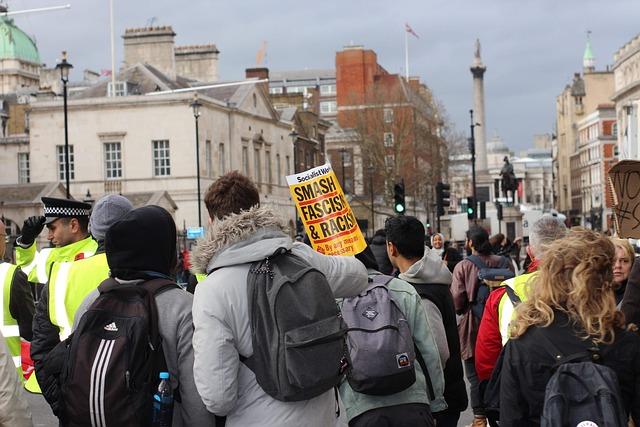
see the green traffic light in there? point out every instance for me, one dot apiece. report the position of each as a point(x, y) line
point(399, 208)
point(469, 210)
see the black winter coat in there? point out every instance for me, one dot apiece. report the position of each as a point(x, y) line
point(21, 305)
point(631, 300)
point(455, 389)
point(527, 367)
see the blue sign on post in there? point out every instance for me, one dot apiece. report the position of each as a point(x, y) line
point(195, 232)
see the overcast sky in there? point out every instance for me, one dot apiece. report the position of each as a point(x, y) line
point(531, 47)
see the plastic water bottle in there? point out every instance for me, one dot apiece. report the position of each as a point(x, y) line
point(163, 403)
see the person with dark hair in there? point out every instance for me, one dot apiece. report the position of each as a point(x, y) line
point(464, 289)
point(139, 247)
point(378, 246)
point(425, 270)
point(242, 232)
point(411, 407)
point(67, 224)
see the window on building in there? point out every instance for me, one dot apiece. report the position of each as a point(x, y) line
point(614, 129)
point(24, 175)
point(207, 158)
point(275, 90)
point(267, 161)
point(389, 161)
point(388, 139)
point(112, 160)
point(288, 166)
point(278, 169)
point(327, 89)
point(295, 89)
point(388, 115)
point(345, 156)
point(117, 89)
point(221, 167)
point(245, 161)
point(257, 170)
point(255, 101)
point(161, 159)
point(72, 172)
point(328, 107)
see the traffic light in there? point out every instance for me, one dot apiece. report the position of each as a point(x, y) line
point(471, 208)
point(499, 209)
point(442, 197)
point(398, 198)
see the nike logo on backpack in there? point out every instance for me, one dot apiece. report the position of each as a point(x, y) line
point(111, 327)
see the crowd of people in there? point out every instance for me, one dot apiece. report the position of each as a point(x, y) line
point(74, 316)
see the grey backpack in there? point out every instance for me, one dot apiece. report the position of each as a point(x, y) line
point(379, 340)
point(297, 330)
point(582, 391)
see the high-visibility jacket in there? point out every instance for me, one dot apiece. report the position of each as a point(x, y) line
point(505, 307)
point(37, 265)
point(9, 325)
point(70, 282)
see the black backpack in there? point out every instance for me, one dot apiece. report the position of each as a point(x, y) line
point(488, 278)
point(297, 331)
point(581, 391)
point(114, 358)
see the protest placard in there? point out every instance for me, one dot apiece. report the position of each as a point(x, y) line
point(624, 179)
point(325, 212)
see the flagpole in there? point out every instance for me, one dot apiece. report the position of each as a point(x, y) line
point(406, 54)
point(113, 50)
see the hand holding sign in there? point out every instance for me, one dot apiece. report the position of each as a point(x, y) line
point(624, 178)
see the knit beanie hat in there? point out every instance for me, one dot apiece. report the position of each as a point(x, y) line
point(107, 211)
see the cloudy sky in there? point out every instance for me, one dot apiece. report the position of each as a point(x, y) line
point(531, 47)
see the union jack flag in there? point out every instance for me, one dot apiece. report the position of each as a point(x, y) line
point(409, 30)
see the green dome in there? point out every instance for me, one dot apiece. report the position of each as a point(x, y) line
point(15, 44)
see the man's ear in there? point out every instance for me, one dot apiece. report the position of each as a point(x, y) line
point(393, 250)
point(74, 225)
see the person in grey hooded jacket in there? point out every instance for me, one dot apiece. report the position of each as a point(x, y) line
point(139, 247)
point(431, 278)
point(240, 233)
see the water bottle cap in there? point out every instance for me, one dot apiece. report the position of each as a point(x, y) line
point(164, 375)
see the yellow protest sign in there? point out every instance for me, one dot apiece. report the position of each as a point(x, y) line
point(624, 178)
point(325, 212)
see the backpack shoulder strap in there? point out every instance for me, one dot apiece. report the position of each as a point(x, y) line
point(558, 355)
point(380, 279)
point(515, 299)
point(158, 286)
point(427, 377)
point(477, 261)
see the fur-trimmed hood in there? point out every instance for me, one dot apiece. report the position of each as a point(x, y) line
point(244, 237)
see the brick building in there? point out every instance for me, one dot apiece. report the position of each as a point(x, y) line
point(388, 131)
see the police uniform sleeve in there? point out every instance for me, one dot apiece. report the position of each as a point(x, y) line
point(21, 305)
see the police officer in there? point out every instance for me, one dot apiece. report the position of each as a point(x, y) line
point(67, 223)
point(69, 283)
point(16, 302)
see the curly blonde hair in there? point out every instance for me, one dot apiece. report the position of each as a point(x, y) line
point(575, 277)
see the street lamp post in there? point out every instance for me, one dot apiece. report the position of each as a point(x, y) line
point(294, 138)
point(64, 68)
point(195, 105)
point(472, 150)
point(371, 193)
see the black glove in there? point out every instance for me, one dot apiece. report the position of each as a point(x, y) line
point(31, 228)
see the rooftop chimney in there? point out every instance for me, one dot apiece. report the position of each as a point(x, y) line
point(153, 46)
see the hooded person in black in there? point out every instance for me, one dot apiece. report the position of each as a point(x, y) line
point(142, 246)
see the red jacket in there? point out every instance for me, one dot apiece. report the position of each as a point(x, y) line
point(489, 340)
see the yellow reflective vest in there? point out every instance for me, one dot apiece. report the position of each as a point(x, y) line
point(70, 283)
point(505, 306)
point(37, 265)
point(9, 325)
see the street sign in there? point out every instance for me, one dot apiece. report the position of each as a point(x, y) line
point(195, 232)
